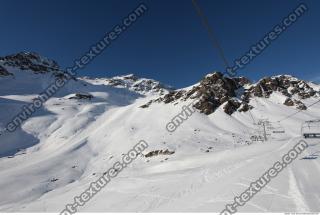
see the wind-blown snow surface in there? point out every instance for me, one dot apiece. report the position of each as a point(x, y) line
point(75, 141)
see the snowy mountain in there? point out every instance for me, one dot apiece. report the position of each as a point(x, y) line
point(235, 94)
point(237, 131)
point(140, 85)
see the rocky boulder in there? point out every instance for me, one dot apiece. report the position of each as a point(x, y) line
point(82, 96)
point(288, 102)
point(293, 102)
point(159, 152)
point(300, 105)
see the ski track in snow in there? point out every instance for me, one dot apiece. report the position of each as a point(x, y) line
point(296, 194)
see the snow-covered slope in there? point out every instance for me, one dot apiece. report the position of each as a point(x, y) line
point(70, 143)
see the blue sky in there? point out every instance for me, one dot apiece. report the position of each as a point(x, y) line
point(168, 43)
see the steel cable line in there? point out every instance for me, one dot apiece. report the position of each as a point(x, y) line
point(289, 116)
point(212, 37)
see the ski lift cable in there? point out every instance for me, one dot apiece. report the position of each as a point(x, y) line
point(214, 40)
point(259, 105)
point(251, 116)
point(212, 37)
point(291, 115)
point(217, 46)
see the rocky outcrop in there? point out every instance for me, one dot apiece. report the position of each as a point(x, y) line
point(30, 61)
point(285, 84)
point(293, 102)
point(215, 90)
point(235, 94)
point(244, 107)
point(231, 106)
point(212, 91)
point(300, 105)
point(82, 96)
point(288, 102)
point(140, 85)
point(146, 105)
point(4, 71)
point(158, 152)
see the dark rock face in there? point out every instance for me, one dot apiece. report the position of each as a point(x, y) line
point(146, 105)
point(215, 90)
point(138, 84)
point(169, 97)
point(158, 152)
point(62, 75)
point(131, 77)
point(293, 102)
point(231, 106)
point(212, 91)
point(82, 96)
point(288, 102)
point(245, 107)
point(4, 72)
point(30, 61)
point(300, 105)
point(116, 82)
point(34, 63)
point(285, 84)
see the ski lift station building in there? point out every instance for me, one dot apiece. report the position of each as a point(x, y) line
point(311, 129)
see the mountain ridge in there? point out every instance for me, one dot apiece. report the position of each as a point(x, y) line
point(88, 125)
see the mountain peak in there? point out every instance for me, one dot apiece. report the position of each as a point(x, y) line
point(30, 61)
point(286, 84)
point(134, 83)
point(142, 85)
point(235, 93)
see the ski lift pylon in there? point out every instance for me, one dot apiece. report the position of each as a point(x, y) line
point(311, 129)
